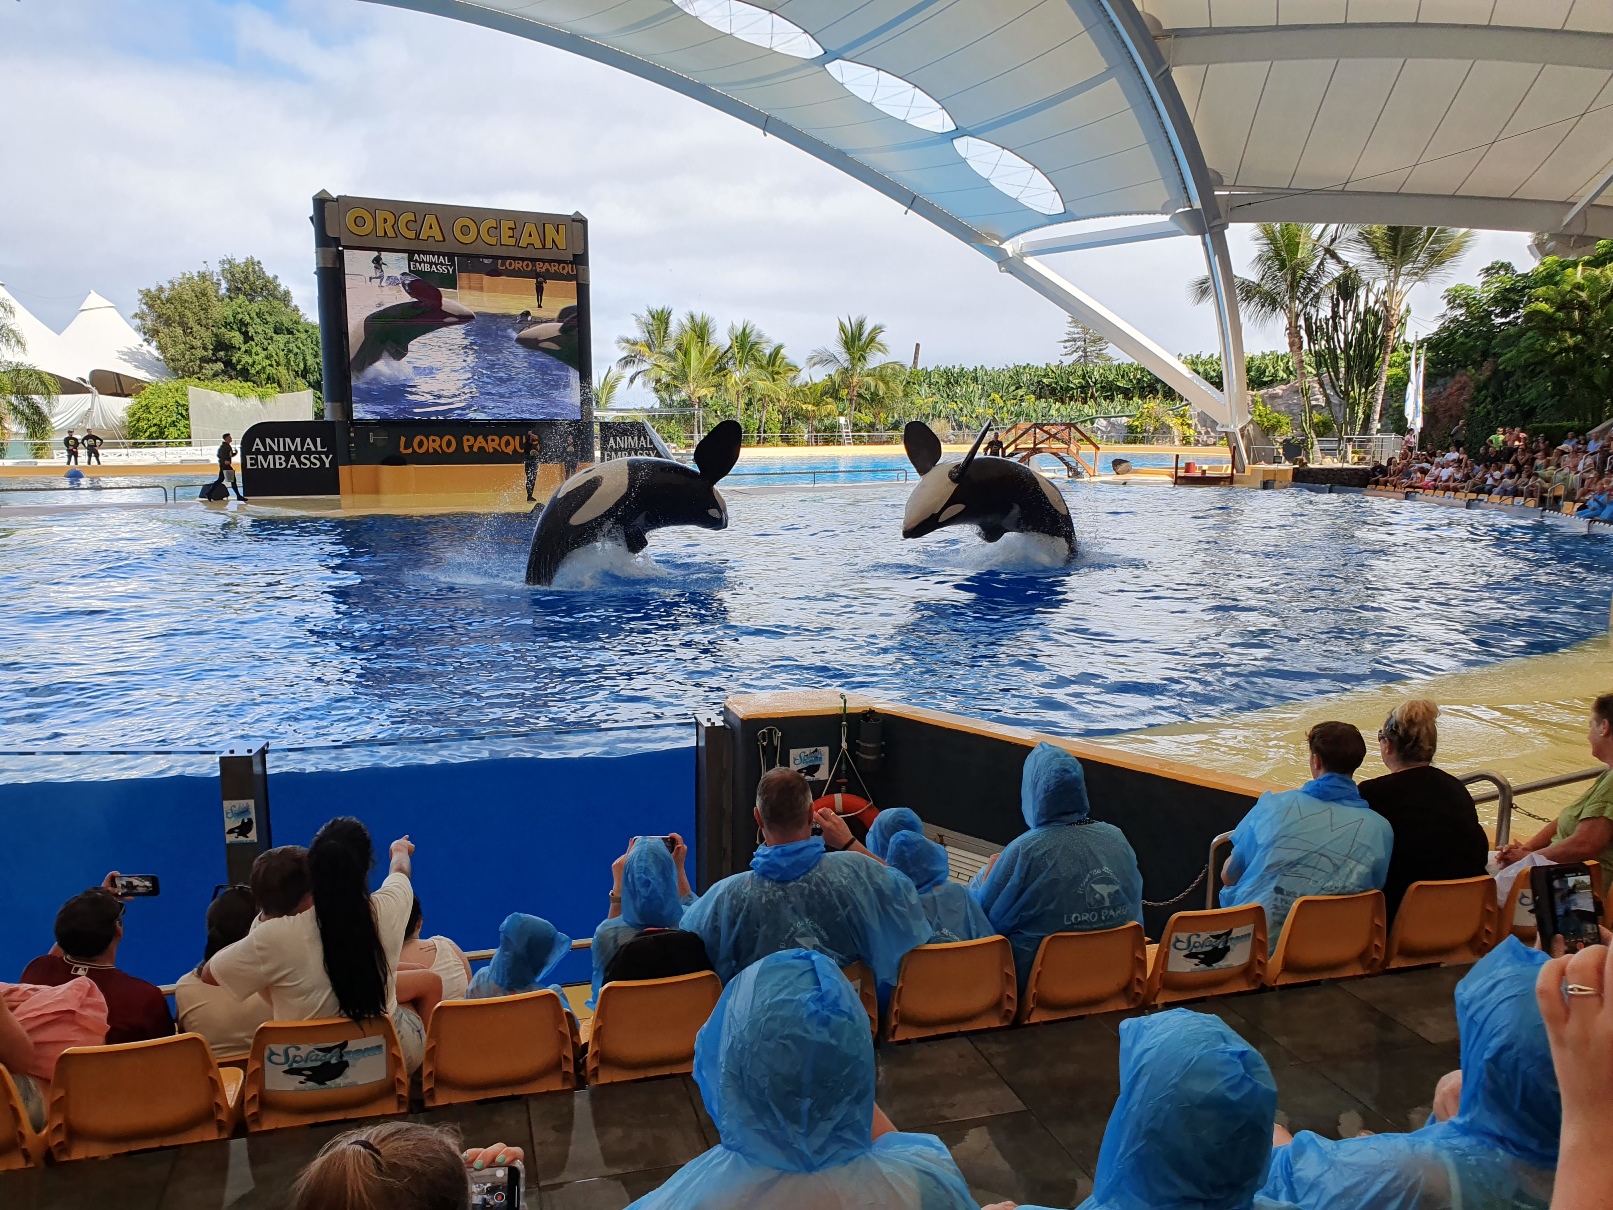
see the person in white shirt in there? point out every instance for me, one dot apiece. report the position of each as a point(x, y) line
point(226, 1022)
point(341, 958)
point(439, 954)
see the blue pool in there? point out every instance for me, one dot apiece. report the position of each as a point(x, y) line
point(164, 628)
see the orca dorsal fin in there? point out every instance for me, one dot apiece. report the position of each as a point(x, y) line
point(923, 446)
point(719, 450)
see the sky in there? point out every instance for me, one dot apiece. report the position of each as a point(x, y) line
point(143, 140)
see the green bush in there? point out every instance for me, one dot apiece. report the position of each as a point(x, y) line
point(161, 412)
point(1554, 433)
point(1276, 424)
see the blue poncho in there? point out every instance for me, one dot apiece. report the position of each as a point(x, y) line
point(1500, 1150)
point(953, 913)
point(529, 947)
point(1321, 839)
point(786, 1068)
point(649, 901)
point(1066, 875)
point(887, 824)
point(845, 905)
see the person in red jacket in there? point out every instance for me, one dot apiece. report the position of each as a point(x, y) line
point(89, 927)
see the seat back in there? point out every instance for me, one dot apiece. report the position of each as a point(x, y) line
point(105, 1100)
point(1518, 913)
point(647, 1027)
point(862, 982)
point(953, 987)
point(300, 1072)
point(1329, 937)
point(499, 1047)
point(20, 1147)
point(1210, 953)
point(1076, 974)
point(1444, 922)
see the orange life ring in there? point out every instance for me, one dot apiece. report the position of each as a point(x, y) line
point(848, 806)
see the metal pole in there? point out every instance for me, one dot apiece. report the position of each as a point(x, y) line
point(337, 385)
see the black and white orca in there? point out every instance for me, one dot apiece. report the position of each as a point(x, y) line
point(625, 498)
point(996, 495)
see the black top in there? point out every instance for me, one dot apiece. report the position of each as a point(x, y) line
point(93, 440)
point(70, 442)
point(658, 954)
point(226, 454)
point(1436, 826)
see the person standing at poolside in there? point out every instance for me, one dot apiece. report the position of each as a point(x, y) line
point(92, 447)
point(226, 466)
point(70, 443)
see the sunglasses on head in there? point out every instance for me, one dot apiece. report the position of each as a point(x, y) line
point(230, 886)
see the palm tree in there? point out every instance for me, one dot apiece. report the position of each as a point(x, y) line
point(1293, 264)
point(1401, 258)
point(643, 354)
point(25, 392)
point(693, 369)
point(606, 388)
point(851, 358)
point(775, 375)
point(747, 346)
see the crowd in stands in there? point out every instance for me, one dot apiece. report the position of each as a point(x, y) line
point(785, 1063)
point(1513, 469)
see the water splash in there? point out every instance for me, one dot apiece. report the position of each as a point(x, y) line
point(386, 370)
point(1017, 552)
point(605, 565)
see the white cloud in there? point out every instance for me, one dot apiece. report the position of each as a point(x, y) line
point(159, 136)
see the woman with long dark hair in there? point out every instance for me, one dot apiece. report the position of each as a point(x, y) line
point(341, 958)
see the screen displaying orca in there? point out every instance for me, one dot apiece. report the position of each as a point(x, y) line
point(996, 495)
point(625, 498)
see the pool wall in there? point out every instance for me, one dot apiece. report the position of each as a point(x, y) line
point(533, 834)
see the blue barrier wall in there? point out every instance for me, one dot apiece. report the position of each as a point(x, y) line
point(491, 837)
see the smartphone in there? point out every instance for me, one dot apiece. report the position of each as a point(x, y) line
point(1565, 906)
point(671, 843)
point(497, 1187)
point(136, 884)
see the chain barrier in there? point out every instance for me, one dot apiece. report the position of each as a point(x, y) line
point(1197, 882)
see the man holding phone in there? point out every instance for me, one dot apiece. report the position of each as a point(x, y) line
point(88, 929)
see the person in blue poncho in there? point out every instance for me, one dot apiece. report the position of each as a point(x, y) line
point(785, 1066)
point(1192, 1127)
point(1321, 839)
point(651, 892)
point(529, 947)
point(951, 909)
point(1068, 874)
point(798, 892)
point(1500, 1148)
point(887, 824)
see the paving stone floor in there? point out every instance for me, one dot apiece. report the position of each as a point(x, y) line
point(1022, 1110)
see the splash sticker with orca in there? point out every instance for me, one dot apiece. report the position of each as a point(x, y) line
point(350, 1063)
point(439, 336)
point(1221, 951)
point(240, 821)
point(810, 763)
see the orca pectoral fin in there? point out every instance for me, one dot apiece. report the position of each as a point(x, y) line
point(635, 540)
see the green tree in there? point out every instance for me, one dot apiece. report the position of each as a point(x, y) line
point(643, 353)
point(1084, 347)
point(161, 412)
point(1345, 333)
point(694, 369)
point(1401, 258)
point(743, 364)
point(850, 360)
point(606, 389)
point(25, 392)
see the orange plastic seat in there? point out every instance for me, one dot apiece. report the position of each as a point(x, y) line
point(20, 1147)
point(1329, 937)
point(647, 1027)
point(1210, 953)
point(862, 982)
point(499, 1047)
point(1444, 923)
point(1076, 974)
point(953, 987)
point(301, 1072)
point(106, 1100)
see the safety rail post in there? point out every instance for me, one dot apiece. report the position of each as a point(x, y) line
point(243, 783)
point(1211, 874)
point(1503, 792)
point(714, 801)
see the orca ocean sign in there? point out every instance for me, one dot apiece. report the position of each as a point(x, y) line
point(290, 458)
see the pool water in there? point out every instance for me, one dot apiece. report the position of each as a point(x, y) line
point(183, 626)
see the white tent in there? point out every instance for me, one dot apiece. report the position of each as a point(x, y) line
point(114, 359)
point(44, 349)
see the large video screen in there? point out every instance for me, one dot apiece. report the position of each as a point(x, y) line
point(443, 336)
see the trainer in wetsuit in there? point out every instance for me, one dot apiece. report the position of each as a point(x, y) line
point(226, 466)
point(534, 441)
point(70, 443)
point(92, 447)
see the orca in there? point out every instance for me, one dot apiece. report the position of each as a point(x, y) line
point(625, 498)
point(996, 495)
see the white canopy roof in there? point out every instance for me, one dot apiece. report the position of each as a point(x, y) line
point(98, 349)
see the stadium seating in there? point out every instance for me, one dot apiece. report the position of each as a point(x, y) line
point(953, 987)
point(503, 1046)
point(1329, 937)
point(1077, 974)
point(1209, 953)
point(647, 1027)
point(329, 1076)
point(20, 1147)
point(862, 979)
point(1444, 923)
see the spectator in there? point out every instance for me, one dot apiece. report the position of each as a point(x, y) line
point(207, 1009)
point(89, 928)
point(280, 882)
point(953, 913)
point(1321, 839)
point(529, 947)
point(887, 824)
point(1500, 1147)
point(1192, 1127)
point(1437, 834)
point(650, 896)
point(396, 1166)
point(1068, 873)
point(438, 954)
point(92, 447)
point(1584, 829)
point(36, 1025)
point(785, 1066)
point(1579, 1024)
point(341, 958)
point(849, 905)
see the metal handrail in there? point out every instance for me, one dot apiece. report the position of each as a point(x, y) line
point(170, 491)
point(837, 475)
point(1209, 870)
point(1503, 821)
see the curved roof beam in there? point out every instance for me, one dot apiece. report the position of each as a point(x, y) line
point(1410, 40)
point(1411, 209)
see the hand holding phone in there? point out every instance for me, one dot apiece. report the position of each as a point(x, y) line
point(497, 1177)
point(1566, 907)
point(132, 886)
